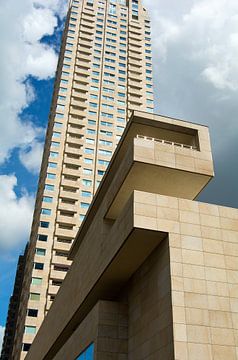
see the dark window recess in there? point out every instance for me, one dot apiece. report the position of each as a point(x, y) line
point(61, 253)
point(26, 347)
point(44, 224)
point(32, 312)
point(42, 237)
point(64, 240)
point(39, 266)
point(56, 282)
point(61, 268)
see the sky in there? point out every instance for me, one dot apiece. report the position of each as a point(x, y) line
point(195, 52)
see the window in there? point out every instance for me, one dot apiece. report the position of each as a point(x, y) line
point(47, 199)
point(105, 123)
point(40, 252)
point(30, 329)
point(107, 90)
point(96, 73)
point(105, 142)
point(42, 237)
point(65, 73)
point(120, 102)
point(88, 151)
point(58, 124)
point(56, 134)
point(55, 143)
point(26, 347)
point(108, 82)
point(107, 106)
point(86, 182)
point(104, 152)
point(44, 224)
point(36, 281)
point(103, 162)
point(92, 113)
point(49, 187)
point(88, 161)
point(110, 116)
point(38, 266)
point(54, 154)
point(91, 131)
point(61, 97)
point(87, 171)
point(45, 211)
point(59, 116)
point(106, 133)
point(86, 194)
point(95, 105)
point(84, 205)
point(34, 296)
point(90, 141)
point(32, 312)
point(51, 176)
point(87, 354)
point(52, 165)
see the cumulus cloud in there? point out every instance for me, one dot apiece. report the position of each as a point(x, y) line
point(2, 329)
point(15, 214)
point(23, 25)
point(195, 47)
point(195, 52)
point(31, 157)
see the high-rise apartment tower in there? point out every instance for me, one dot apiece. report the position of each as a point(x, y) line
point(104, 72)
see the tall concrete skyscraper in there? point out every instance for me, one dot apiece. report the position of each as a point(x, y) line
point(104, 72)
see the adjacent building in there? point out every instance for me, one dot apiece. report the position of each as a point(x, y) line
point(154, 272)
point(104, 72)
point(13, 309)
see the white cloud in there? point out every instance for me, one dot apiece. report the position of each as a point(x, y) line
point(195, 52)
point(37, 20)
point(23, 24)
point(195, 56)
point(2, 329)
point(15, 214)
point(207, 32)
point(31, 157)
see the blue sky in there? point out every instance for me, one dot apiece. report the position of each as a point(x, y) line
point(29, 64)
point(195, 51)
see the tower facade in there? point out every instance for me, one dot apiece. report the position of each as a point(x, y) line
point(104, 72)
point(154, 272)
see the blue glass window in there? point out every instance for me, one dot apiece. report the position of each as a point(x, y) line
point(45, 211)
point(49, 187)
point(52, 165)
point(87, 354)
point(54, 154)
point(84, 205)
point(47, 199)
point(32, 330)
